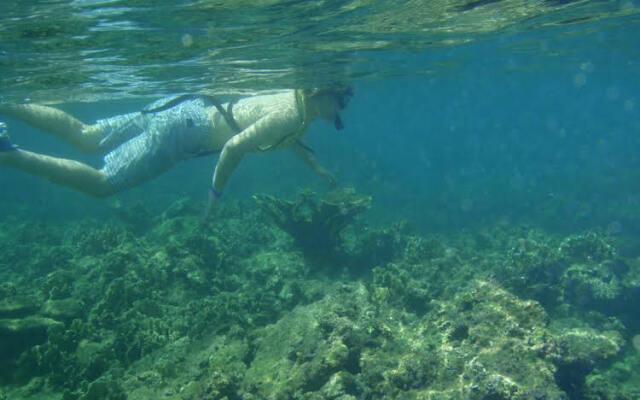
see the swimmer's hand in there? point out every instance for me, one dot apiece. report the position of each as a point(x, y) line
point(213, 197)
point(333, 184)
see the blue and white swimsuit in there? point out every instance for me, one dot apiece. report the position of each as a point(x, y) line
point(143, 145)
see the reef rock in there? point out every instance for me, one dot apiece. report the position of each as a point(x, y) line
point(314, 223)
point(63, 310)
point(15, 307)
point(484, 344)
point(19, 334)
point(579, 351)
point(315, 348)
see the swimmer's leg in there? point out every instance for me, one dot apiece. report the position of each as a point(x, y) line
point(82, 136)
point(69, 173)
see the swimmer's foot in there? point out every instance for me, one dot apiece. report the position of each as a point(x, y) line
point(5, 140)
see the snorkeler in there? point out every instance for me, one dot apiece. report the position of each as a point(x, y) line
point(142, 145)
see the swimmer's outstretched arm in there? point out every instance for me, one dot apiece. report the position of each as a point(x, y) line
point(266, 131)
point(82, 136)
point(307, 156)
point(69, 173)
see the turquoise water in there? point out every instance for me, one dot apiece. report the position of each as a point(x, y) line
point(456, 103)
point(499, 143)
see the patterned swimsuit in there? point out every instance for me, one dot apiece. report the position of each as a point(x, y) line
point(143, 145)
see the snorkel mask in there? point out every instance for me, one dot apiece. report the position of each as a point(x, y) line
point(341, 94)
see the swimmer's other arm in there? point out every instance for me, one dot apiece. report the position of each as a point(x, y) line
point(307, 156)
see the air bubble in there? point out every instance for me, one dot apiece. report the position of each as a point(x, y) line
point(466, 205)
point(586, 66)
point(613, 93)
point(636, 342)
point(579, 80)
point(187, 40)
point(628, 105)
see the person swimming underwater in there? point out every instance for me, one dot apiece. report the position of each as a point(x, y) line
point(143, 144)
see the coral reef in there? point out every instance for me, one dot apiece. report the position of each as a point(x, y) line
point(237, 309)
point(315, 224)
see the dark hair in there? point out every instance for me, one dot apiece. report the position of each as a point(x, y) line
point(342, 93)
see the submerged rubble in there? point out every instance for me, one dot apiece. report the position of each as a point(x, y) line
point(238, 310)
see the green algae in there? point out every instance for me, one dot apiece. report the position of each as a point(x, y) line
point(238, 310)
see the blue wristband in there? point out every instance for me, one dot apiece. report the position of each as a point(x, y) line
point(214, 193)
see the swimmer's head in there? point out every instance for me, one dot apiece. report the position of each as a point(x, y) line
point(330, 101)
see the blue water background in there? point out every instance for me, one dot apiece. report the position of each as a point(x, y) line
point(547, 136)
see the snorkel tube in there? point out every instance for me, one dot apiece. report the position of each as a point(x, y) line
point(337, 122)
point(342, 95)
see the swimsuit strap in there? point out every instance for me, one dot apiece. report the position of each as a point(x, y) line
point(226, 114)
point(171, 103)
point(205, 153)
point(301, 105)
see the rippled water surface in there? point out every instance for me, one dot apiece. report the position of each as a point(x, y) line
point(97, 49)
